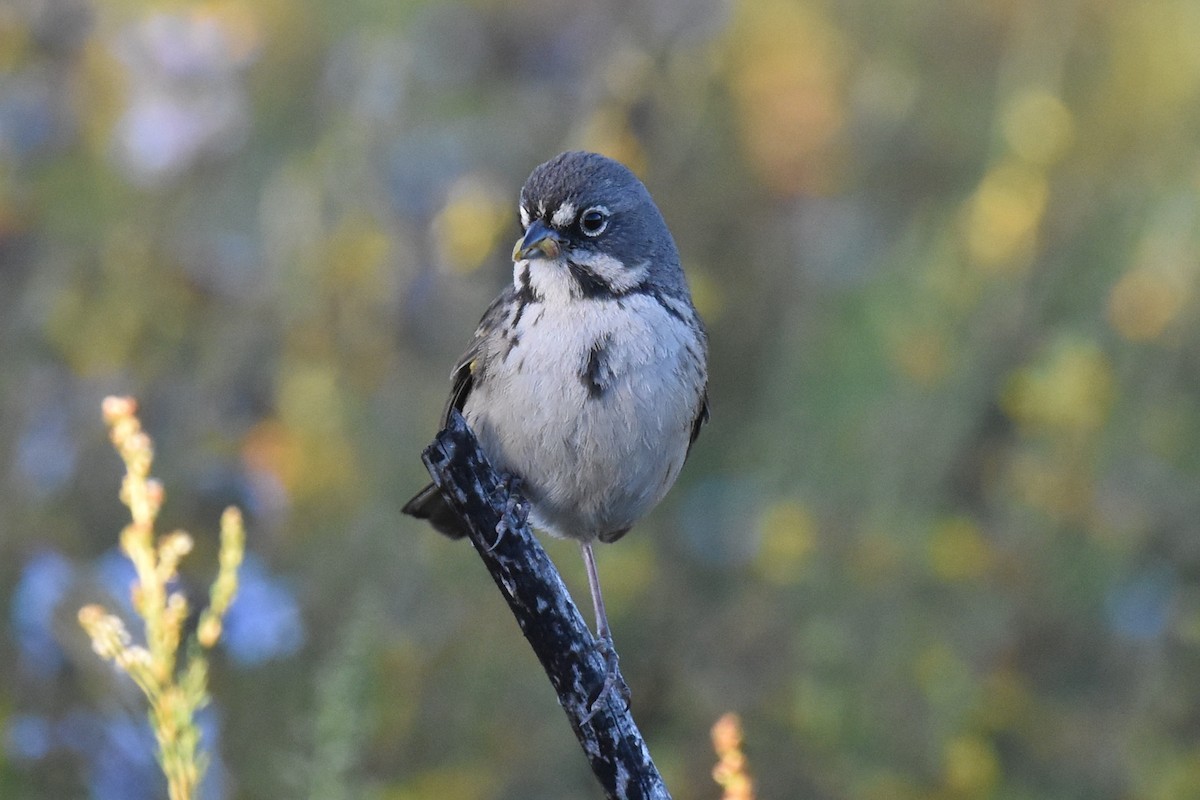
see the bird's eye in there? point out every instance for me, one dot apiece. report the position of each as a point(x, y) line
point(593, 221)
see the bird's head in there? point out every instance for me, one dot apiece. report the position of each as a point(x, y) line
point(591, 230)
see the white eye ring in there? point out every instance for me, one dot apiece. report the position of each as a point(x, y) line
point(594, 221)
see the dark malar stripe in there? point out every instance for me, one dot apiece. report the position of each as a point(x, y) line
point(525, 296)
point(591, 286)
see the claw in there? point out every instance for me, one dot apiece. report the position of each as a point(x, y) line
point(613, 682)
point(516, 510)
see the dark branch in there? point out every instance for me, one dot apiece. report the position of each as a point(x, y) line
point(549, 619)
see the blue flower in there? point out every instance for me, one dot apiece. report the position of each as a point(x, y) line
point(1140, 607)
point(39, 591)
point(120, 754)
point(264, 621)
point(28, 737)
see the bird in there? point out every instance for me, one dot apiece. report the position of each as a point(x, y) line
point(586, 381)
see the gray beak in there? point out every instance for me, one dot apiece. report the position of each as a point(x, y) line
point(539, 241)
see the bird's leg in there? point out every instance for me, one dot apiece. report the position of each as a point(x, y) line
point(515, 513)
point(612, 677)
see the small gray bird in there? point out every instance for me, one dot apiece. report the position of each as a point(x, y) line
point(587, 377)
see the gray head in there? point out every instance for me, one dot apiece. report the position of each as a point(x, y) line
point(592, 230)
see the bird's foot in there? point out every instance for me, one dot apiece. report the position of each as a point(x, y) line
point(613, 682)
point(516, 510)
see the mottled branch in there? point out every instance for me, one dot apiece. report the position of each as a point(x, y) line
point(546, 614)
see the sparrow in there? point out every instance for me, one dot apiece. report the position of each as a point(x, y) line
point(586, 381)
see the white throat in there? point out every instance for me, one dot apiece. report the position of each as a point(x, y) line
point(549, 280)
point(553, 281)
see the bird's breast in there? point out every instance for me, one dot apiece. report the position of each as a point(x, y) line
point(591, 404)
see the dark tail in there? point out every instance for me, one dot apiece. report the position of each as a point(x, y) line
point(429, 504)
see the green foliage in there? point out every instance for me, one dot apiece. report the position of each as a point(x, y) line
point(344, 711)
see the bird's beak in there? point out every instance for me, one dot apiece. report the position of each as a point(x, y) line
point(539, 241)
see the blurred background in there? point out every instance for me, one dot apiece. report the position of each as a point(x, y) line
point(940, 540)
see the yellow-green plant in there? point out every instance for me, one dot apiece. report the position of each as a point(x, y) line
point(731, 771)
point(175, 688)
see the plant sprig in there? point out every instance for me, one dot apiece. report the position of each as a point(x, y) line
point(175, 690)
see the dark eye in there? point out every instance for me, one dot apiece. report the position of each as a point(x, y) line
point(593, 221)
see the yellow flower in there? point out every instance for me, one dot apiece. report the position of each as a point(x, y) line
point(970, 766)
point(958, 550)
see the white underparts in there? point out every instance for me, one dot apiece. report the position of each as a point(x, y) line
point(595, 459)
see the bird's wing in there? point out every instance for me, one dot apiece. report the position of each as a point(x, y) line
point(461, 382)
point(462, 379)
point(701, 419)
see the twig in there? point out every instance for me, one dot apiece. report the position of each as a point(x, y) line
point(549, 619)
